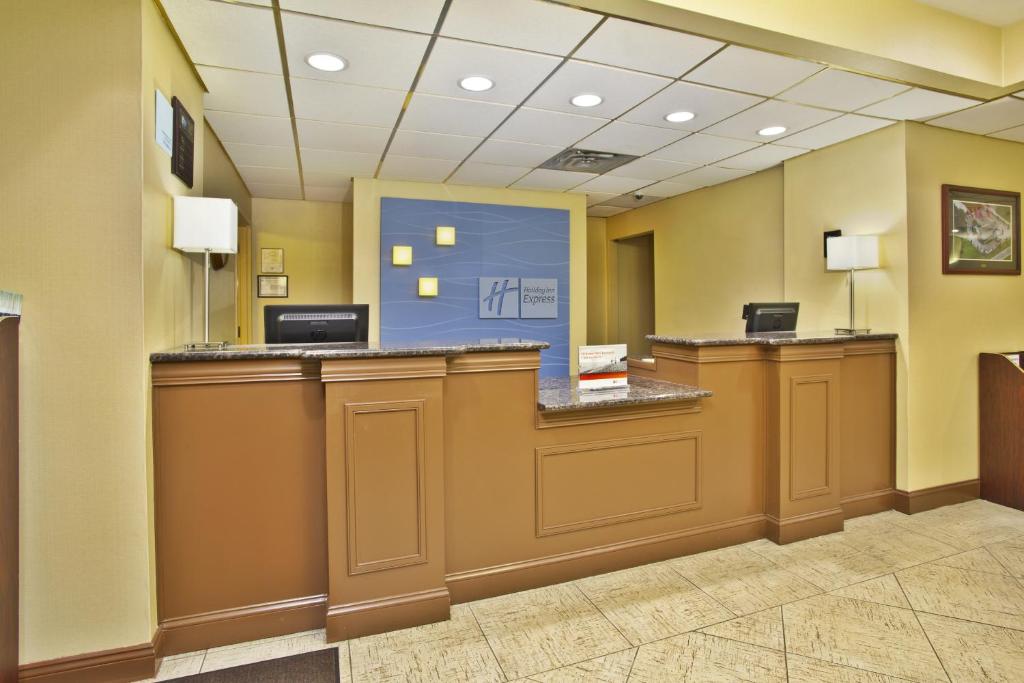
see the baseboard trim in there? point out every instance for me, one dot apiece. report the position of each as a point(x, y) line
point(230, 626)
point(868, 503)
point(801, 527)
point(545, 571)
point(370, 617)
point(109, 666)
point(921, 500)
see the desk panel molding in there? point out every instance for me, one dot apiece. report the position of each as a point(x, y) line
point(234, 372)
point(371, 369)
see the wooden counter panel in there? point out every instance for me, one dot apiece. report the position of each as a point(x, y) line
point(868, 424)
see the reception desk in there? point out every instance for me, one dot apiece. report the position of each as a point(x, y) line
point(369, 488)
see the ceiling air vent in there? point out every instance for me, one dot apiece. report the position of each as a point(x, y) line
point(586, 161)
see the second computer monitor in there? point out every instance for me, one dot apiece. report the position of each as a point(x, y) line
point(771, 317)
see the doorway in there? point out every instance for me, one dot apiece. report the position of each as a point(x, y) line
point(634, 289)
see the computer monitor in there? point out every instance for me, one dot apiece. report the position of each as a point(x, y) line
point(777, 317)
point(313, 324)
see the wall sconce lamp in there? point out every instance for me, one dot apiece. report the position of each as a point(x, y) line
point(444, 235)
point(852, 253)
point(401, 255)
point(428, 286)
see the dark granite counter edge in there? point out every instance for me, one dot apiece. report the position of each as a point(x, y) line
point(561, 394)
point(770, 340)
point(315, 352)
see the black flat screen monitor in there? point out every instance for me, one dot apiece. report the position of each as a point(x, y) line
point(778, 317)
point(310, 324)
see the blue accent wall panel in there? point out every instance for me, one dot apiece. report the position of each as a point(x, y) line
point(491, 240)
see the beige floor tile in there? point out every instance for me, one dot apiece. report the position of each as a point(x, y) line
point(453, 650)
point(258, 651)
point(742, 580)
point(887, 517)
point(344, 663)
point(651, 602)
point(975, 596)
point(968, 525)
point(896, 546)
point(702, 659)
point(978, 560)
point(613, 668)
point(884, 590)
point(807, 670)
point(1010, 555)
point(862, 635)
point(976, 652)
point(544, 629)
point(827, 562)
point(760, 628)
point(188, 665)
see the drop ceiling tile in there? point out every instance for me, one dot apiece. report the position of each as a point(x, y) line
point(640, 47)
point(326, 179)
point(761, 157)
point(652, 169)
point(434, 114)
point(244, 92)
point(413, 143)
point(835, 89)
point(599, 197)
point(917, 104)
point(620, 89)
point(317, 193)
point(342, 137)
point(709, 105)
point(222, 34)
point(547, 179)
point(262, 175)
point(795, 117)
point(836, 130)
point(261, 155)
point(986, 118)
point(526, 24)
point(345, 103)
point(612, 183)
point(630, 201)
point(701, 149)
point(515, 73)
point(547, 127)
point(488, 175)
point(671, 188)
point(270, 191)
point(377, 57)
point(605, 211)
point(752, 71)
point(1015, 134)
point(250, 129)
point(629, 138)
point(411, 15)
point(710, 175)
point(397, 167)
point(506, 153)
point(345, 163)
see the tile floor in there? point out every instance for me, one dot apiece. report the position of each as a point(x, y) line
point(934, 597)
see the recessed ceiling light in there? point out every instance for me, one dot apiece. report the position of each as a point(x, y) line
point(679, 116)
point(772, 130)
point(587, 100)
point(325, 61)
point(476, 83)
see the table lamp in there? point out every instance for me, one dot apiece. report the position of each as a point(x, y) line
point(852, 253)
point(210, 226)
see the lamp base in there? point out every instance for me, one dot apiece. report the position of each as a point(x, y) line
point(206, 346)
point(852, 331)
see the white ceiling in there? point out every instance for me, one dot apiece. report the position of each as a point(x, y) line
point(397, 112)
point(994, 12)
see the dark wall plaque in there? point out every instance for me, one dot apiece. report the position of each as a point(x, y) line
point(183, 158)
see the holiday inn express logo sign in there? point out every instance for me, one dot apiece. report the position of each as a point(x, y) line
point(513, 297)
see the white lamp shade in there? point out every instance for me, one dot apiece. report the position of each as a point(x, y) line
point(205, 224)
point(853, 252)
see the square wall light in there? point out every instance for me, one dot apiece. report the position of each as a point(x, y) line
point(401, 255)
point(428, 286)
point(445, 235)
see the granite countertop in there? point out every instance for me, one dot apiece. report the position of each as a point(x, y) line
point(768, 338)
point(345, 350)
point(562, 393)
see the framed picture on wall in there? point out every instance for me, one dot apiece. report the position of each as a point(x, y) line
point(272, 286)
point(980, 231)
point(272, 260)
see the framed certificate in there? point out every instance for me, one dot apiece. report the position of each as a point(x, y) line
point(272, 286)
point(272, 260)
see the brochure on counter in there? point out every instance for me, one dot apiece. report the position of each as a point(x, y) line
point(603, 367)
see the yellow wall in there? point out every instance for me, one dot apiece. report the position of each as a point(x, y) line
point(714, 250)
point(1013, 53)
point(366, 239)
point(71, 189)
point(597, 295)
point(953, 317)
point(316, 258)
point(860, 187)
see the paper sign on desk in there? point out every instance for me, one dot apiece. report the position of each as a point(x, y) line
point(603, 367)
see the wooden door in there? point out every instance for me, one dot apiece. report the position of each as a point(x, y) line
point(243, 286)
point(8, 499)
